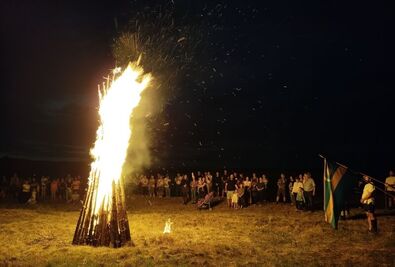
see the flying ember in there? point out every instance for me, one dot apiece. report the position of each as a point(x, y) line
point(103, 220)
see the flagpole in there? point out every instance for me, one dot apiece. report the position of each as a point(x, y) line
point(323, 177)
point(360, 173)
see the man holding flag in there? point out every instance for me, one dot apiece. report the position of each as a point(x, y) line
point(367, 200)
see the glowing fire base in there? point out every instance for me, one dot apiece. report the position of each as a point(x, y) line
point(110, 226)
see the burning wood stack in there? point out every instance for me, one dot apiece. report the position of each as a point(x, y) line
point(109, 226)
point(103, 220)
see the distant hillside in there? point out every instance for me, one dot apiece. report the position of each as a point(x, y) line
point(26, 167)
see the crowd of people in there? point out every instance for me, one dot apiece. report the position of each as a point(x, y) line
point(240, 190)
point(32, 189)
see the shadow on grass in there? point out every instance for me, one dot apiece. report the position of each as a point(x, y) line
point(379, 213)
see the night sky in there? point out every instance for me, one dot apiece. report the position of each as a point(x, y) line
point(273, 84)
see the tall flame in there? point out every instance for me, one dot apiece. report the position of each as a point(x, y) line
point(117, 101)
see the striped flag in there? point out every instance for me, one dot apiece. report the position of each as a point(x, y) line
point(338, 183)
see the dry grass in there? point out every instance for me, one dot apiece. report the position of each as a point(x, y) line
point(269, 235)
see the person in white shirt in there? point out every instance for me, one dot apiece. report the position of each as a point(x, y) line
point(297, 191)
point(390, 190)
point(367, 201)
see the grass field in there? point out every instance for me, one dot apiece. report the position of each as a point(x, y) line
point(268, 235)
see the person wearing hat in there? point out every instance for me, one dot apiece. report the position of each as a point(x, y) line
point(367, 201)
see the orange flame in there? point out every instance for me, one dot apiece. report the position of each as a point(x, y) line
point(117, 101)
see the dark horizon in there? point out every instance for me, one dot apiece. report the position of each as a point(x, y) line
point(276, 84)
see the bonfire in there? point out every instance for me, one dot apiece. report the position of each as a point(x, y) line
point(103, 220)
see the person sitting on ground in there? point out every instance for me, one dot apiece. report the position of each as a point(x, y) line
point(281, 183)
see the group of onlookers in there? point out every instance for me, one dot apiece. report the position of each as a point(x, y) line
point(240, 190)
point(30, 190)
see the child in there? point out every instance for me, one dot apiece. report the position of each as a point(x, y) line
point(300, 199)
point(235, 200)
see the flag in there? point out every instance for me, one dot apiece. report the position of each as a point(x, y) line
point(338, 184)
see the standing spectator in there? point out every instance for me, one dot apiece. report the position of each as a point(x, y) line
point(260, 187)
point(290, 187)
point(54, 189)
point(151, 186)
point(34, 189)
point(160, 186)
point(25, 191)
point(235, 198)
point(309, 190)
point(390, 190)
point(281, 183)
point(144, 185)
point(3, 188)
point(193, 189)
point(209, 182)
point(201, 187)
point(166, 184)
point(224, 179)
point(15, 187)
point(265, 181)
point(217, 184)
point(247, 191)
point(43, 189)
point(178, 181)
point(254, 191)
point(185, 189)
point(230, 187)
point(368, 202)
point(62, 189)
point(76, 187)
point(241, 203)
point(69, 190)
point(297, 191)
